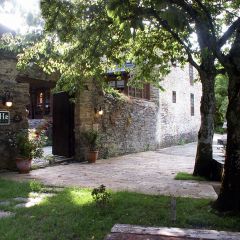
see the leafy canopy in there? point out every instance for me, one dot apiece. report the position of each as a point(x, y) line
point(85, 39)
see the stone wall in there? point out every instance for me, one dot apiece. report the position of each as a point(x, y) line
point(135, 125)
point(84, 118)
point(8, 71)
point(20, 95)
point(127, 126)
point(176, 125)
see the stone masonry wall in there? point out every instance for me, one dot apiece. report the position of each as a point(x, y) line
point(177, 126)
point(8, 71)
point(135, 125)
point(20, 93)
point(126, 126)
point(15, 82)
point(84, 118)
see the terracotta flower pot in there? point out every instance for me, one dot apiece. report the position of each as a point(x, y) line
point(92, 156)
point(23, 164)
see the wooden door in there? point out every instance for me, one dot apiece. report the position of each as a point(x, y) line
point(63, 125)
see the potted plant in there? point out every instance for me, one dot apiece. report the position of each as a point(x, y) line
point(91, 138)
point(28, 146)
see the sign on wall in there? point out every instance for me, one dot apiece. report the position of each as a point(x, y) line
point(4, 117)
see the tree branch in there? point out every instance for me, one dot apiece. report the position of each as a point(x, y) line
point(175, 35)
point(210, 19)
point(187, 7)
point(226, 36)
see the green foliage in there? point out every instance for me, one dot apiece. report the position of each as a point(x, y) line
point(35, 186)
point(101, 196)
point(29, 145)
point(181, 142)
point(83, 41)
point(188, 176)
point(16, 44)
point(91, 138)
point(221, 94)
point(114, 93)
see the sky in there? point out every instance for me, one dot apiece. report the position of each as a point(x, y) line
point(13, 13)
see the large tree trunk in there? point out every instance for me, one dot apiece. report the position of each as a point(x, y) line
point(229, 197)
point(207, 72)
point(203, 160)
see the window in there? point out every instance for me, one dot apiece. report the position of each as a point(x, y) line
point(191, 77)
point(121, 85)
point(192, 103)
point(174, 97)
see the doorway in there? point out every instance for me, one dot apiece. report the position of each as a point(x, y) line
point(63, 137)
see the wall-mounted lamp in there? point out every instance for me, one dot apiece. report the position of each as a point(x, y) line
point(7, 99)
point(99, 111)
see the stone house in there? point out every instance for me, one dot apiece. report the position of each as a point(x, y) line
point(146, 120)
point(28, 95)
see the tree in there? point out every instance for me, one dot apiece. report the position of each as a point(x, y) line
point(206, 17)
point(229, 198)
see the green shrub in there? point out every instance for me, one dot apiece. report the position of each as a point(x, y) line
point(101, 196)
point(91, 138)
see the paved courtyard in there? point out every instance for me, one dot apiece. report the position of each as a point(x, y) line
point(150, 172)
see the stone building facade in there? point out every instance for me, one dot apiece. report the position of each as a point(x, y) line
point(132, 125)
point(128, 125)
point(18, 84)
point(18, 114)
point(179, 107)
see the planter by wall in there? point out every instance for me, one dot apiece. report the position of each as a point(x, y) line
point(23, 165)
point(92, 156)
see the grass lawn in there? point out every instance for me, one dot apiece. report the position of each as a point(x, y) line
point(188, 176)
point(72, 214)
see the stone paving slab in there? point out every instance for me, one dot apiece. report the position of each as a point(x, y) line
point(4, 214)
point(20, 199)
point(5, 203)
point(124, 231)
point(150, 172)
point(34, 199)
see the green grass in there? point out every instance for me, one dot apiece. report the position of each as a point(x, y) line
point(188, 176)
point(72, 214)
